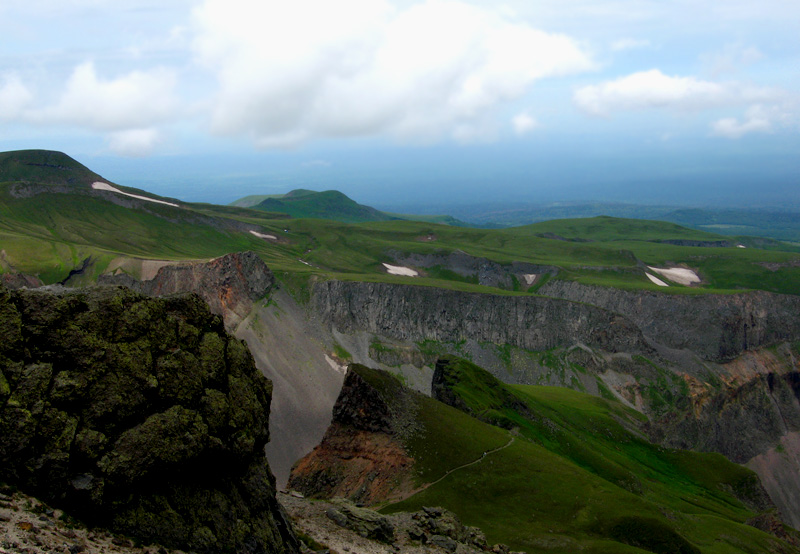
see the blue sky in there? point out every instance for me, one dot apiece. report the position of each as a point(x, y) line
point(397, 102)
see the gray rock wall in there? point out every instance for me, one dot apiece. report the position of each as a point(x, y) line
point(416, 313)
point(717, 327)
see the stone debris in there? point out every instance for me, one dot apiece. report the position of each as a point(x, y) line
point(341, 526)
point(28, 526)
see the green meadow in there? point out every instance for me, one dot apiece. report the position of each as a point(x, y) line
point(578, 475)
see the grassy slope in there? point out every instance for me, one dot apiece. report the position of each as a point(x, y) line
point(357, 251)
point(48, 234)
point(575, 478)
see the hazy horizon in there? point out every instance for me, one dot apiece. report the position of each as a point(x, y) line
point(401, 102)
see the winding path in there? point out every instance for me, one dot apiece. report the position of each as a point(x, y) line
point(449, 471)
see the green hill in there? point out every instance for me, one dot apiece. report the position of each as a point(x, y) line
point(44, 167)
point(605, 229)
point(561, 471)
point(330, 204)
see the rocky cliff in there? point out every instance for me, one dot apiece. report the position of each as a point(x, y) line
point(230, 284)
point(415, 313)
point(717, 327)
point(141, 415)
point(362, 456)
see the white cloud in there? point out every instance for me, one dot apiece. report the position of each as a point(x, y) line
point(653, 89)
point(524, 123)
point(132, 101)
point(14, 98)
point(293, 71)
point(624, 44)
point(134, 143)
point(757, 119)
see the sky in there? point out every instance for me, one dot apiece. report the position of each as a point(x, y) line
point(400, 102)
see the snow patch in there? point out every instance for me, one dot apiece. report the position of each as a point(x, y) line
point(400, 270)
point(263, 236)
point(530, 278)
point(679, 275)
point(740, 246)
point(656, 280)
point(340, 368)
point(105, 186)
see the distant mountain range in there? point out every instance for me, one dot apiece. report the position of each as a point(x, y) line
point(334, 205)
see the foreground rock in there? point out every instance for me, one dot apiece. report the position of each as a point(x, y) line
point(140, 415)
point(342, 527)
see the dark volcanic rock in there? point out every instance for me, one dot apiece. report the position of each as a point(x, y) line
point(142, 415)
point(230, 284)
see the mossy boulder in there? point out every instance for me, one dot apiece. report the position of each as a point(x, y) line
point(138, 414)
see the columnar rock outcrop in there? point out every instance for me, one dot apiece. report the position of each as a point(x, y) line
point(142, 415)
point(414, 313)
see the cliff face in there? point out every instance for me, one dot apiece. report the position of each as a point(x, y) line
point(716, 327)
point(141, 415)
point(362, 456)
point(230, 284)
point(414, 313)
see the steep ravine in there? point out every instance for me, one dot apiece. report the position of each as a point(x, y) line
point(715, 372)
point(699, 365)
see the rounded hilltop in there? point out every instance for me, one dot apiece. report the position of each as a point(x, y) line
point(46, 167)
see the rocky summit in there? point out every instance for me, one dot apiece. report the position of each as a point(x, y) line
point(140, 415)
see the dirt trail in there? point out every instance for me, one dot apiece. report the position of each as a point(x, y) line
point(498, 449)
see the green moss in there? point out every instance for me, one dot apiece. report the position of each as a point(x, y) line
point(341, 352)
point(5, 388)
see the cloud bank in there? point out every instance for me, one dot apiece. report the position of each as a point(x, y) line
point(292, 71)
point(649, 89)
point(652, 89)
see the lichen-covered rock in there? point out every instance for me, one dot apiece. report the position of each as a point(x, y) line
point(142, 415)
